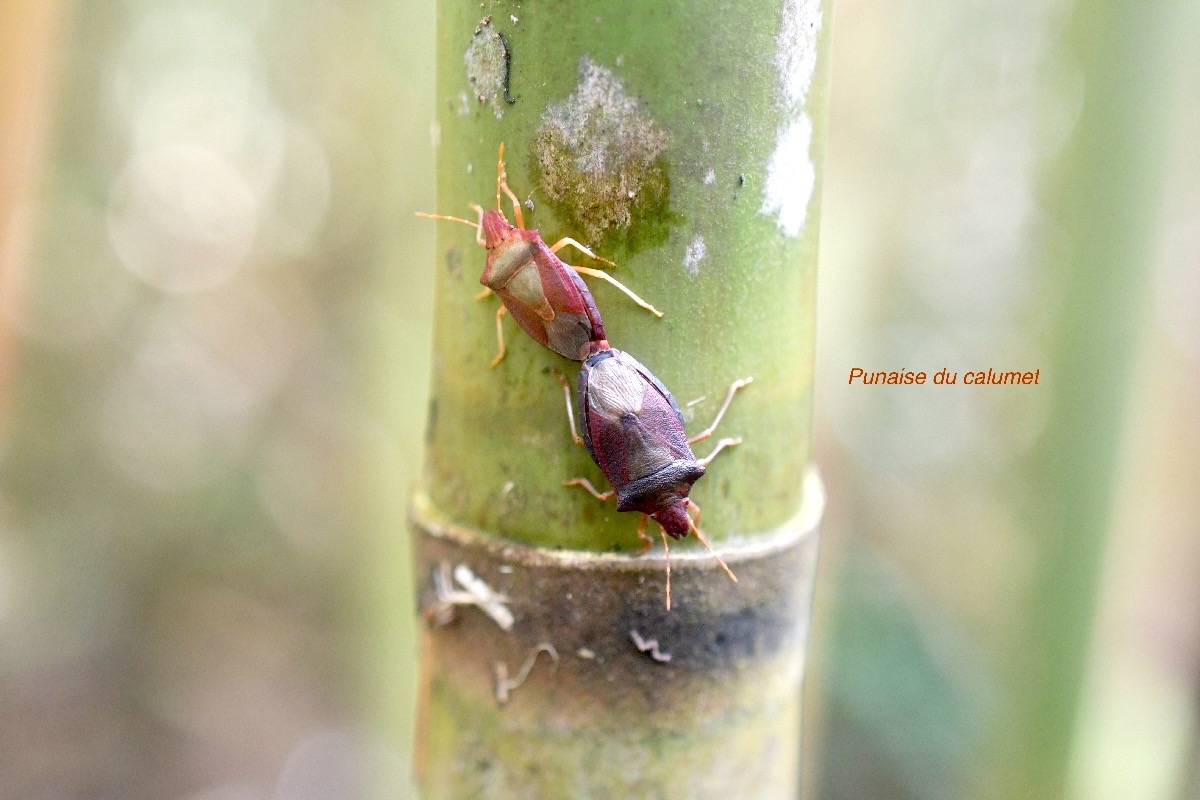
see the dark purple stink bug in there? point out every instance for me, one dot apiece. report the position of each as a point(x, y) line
point(546, 297)
point(634, 431)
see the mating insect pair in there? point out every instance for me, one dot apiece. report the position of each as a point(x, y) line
point(633, 428)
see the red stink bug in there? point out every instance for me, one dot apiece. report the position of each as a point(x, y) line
point(545, 296)
point(633, 429)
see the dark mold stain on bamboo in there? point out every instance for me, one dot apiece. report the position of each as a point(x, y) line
point(600, 155)
point(454, 259)
point(716, 629)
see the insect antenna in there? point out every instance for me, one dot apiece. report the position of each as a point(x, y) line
point(704, 541)
point(667, 554)
point(478, 226)
point(426, 215)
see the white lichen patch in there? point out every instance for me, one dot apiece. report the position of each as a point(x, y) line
point(598, 152)
point(796, 48)
point(791, 177)
point(487, 66)
point(695, 253)
point(710, 177)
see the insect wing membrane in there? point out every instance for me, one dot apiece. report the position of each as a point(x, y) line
point(609, 392)
point(664, 426)
point(661, 412)
point(566, 291)
point(633, 429)
point(556, 276)
point(590, 309)
point(576, 321)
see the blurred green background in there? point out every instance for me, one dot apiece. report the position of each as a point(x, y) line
point(214, 353)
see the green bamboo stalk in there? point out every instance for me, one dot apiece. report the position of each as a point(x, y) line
point(1103, 203)
point(681, 141)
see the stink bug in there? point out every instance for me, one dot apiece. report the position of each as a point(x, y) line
point(633, 429)
point(545, 296)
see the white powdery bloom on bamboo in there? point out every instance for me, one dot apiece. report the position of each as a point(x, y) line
point(796, 48)
point(791, 174)
point(791, 177)
point(695, 253)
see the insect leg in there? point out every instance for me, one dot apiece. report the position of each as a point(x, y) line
point(427, 215)
point(595, 273)
point(487, 292)
point(586, 484)
point(721, 445)
point(502, 185)
point(567, 240)
point(707, 432)
point(500, 312)
point(704, 541)
point(570, 409)
point(667, 555)
point(499, 173)
point(478, 226)
point(647, 542)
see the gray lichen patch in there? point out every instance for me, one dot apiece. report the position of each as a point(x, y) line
point(695, 253)
point(600, 155)
point(487, 61)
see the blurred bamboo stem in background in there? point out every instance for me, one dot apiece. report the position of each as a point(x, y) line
point(29, 35)
point(1103, 201)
